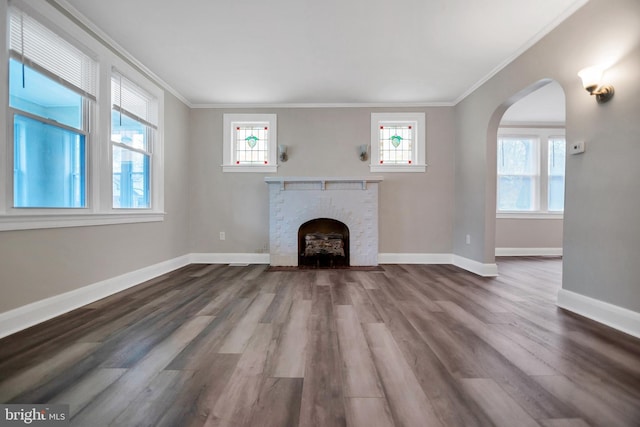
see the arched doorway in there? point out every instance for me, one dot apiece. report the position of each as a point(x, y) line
point(526, 141)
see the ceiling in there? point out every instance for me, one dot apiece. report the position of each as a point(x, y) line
point(543, 106)
point(255, 52)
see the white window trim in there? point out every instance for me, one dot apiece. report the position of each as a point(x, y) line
point(419, 146)
point(99, 210)
point(53, 220)
point(542, 136)
point(229, 122)
point(529, 215)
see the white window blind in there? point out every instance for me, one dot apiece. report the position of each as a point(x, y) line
point(129, 99)
point(37, 46)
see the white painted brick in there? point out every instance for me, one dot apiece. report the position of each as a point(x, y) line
point(300, 202)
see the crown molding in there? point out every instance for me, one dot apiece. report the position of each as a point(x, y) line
point(327, 105)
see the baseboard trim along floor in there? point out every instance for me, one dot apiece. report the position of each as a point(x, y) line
point(619, 318)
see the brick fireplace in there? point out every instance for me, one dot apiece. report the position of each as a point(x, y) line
point(294, 201)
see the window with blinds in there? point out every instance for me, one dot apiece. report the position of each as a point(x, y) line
point(84, 126)
point(134, 120)
point(52, 89)
point(131, 100)
point(36, 46)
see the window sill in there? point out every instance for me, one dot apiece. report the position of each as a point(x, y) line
point(529, 215)
point(40, 221)
point(398, 168)
point(250, 168)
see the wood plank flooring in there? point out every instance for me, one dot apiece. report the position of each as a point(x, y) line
point(413, 345)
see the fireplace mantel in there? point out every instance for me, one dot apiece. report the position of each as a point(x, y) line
point(350, 200)
point(322, 182)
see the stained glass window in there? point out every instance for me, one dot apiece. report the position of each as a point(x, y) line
point(396, 144)
point(251, 144)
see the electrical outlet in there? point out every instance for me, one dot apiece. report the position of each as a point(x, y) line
point(468, 239)
point(223, 236)
point(576, 147)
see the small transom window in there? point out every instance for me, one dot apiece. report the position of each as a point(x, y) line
point(397, 142)
point(249, 143)
point(252, 144)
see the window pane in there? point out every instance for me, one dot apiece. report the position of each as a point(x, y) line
point(557, 156)
point(129, 131)
point(49, 166)
point(252, 144)
point(34, 93)
point(130, 179)
point(517, 156)
point(515, 193)
point(557, 159)
point(556, 193)
point(396, 144)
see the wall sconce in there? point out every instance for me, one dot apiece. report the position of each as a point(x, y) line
point(591, 81)
point(362, 152)
point(282, 153)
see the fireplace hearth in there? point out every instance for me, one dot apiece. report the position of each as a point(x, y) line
point(323, 243)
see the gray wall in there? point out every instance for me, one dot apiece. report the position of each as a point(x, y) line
point(528, 233)
point(602, 205)
point(38, 264)
point(416, 209)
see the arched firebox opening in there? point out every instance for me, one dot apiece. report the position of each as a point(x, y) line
point(323, 243)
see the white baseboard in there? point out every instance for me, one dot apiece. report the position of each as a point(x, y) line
point(484, 270)
point(37, 312)
point(528, 251)
point(414, 258)
point(231, 258)
point(619, 318)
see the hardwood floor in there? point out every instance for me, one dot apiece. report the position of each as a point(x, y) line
point(413, 345)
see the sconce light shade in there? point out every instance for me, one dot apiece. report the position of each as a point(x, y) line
point(591, 77)
point(282, 153)
point(591, 81)
point(362, 152)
